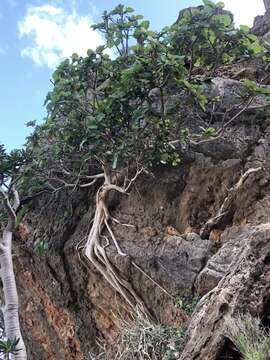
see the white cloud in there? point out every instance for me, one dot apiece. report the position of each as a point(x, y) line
point(245, 10)
point(54, 34)
point(48, 9)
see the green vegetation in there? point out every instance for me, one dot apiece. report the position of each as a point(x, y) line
point(187, 304)
point(207, 36)
point(249, 337)
point(142, 339)
point(40, 247)
point(115, 110)
point(9, 347)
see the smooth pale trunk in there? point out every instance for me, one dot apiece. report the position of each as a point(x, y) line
point(11, 306)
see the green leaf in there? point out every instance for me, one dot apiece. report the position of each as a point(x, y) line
point(41, 247)
point(252, 37)
point(145, 24)
point(74, 57)
point(210, 132)
point(176, 162)
point(250, 84)
point(90, 52)
point(91, 123)
point(129, 9)
point(225, 19)
point(220, 4)
point(31, 123)
point(245, 28)
point(209, 3)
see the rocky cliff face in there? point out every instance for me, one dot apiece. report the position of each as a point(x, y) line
point(262, 23)
point(200, 230)
point(181, 240)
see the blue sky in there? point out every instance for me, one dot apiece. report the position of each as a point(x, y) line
point(36, 34)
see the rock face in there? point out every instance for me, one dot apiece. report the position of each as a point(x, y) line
point(235, 279)
point(66, 306)
point(261, 25)
point(245, 287)
point(218, 266)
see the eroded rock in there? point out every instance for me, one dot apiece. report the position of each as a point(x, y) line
point(245, 287)
point(66, 305)
point(219, 264)
point(261, 25)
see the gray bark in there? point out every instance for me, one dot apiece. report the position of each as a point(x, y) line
point(11, 303)
point(11, 306)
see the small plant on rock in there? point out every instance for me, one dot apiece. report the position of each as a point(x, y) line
point(187, 304)
point(249, 337)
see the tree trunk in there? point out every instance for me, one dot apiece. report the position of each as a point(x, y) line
point(11, 306)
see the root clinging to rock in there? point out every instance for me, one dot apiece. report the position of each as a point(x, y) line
point(95, 251)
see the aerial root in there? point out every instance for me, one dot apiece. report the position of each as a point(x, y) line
point(95, 252)
point(94, 248)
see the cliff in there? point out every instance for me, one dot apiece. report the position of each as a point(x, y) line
point(199, 230)
point(65, 307)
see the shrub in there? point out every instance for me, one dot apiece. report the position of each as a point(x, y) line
point(207, 36)
point(249, 337)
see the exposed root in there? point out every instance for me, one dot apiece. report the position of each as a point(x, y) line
point(119, 223)
point(227, 206)
point(120, 252)
point(150, 278)
point(95, 251)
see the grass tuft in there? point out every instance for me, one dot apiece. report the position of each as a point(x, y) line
point(249, 337)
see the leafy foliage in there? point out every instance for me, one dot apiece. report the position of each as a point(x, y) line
point(114, 111)
point(9, 347)
point(207, 36)
point(10, 164)
point(119, 26)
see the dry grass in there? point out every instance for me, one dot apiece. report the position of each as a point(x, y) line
point(249, 337)
point(142, 340)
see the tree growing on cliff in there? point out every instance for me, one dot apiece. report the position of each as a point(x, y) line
point(102, 130)
point(9, 166)
point(108, 121)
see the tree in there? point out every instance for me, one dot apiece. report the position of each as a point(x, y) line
point(119, 26)
point(9, 166)
point(103, 128)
